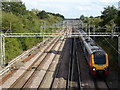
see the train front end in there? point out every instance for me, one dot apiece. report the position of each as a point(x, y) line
point(99, 64)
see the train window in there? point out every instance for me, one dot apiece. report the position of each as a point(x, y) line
point(99, 58)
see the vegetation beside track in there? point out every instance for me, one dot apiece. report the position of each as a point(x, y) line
point(17, 19)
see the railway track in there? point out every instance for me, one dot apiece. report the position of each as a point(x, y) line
point(60, 65)
point(43, 72)
point(36, 74)
point(61, 71)
point(47, 80)
point(87, 81)
point(100, 84)
point(31, 69)
point(24, 55)
point(74, 80)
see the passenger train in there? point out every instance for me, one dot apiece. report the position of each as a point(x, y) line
point(96, 57)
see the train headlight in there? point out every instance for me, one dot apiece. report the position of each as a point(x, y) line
point(106, 68)
point(94, 69)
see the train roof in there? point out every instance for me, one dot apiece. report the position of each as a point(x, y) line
point(90, 43)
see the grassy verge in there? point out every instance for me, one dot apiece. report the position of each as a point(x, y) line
point(110, 45)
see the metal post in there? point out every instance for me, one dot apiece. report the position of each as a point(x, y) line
point(82, 26)
point(113, 29)
point(58, 25)
point(10, 28)
point(89, 31)
point(1, 41)
point(119, 50)
point(2, 50)
point(52, 28)
point(40, 29)
point(1, 58)
point(44, 29)
point(93, 29)
point(86, 28)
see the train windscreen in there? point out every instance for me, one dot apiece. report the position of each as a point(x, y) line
point(99, 58)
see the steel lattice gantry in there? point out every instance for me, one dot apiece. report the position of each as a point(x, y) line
point(119, 50)
point(2, 49)
point(94, 34)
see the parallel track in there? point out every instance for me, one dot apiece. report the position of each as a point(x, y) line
point(101, 84)
point(74, 79)
point(34, 69)
point(48, 78)
point(29, 71)
point(60, 76)
point(56, 73)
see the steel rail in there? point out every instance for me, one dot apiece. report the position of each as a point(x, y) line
point(50, 66)
point(26, 53)
point(78, 67)
point(36, 67)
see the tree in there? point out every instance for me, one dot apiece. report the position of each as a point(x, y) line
point(59, 15)
point(109, 15)
point(42, 15)
point(82, 17)
point(118, 19)
point(91, 17)
point(35, 11)
point(17, 8)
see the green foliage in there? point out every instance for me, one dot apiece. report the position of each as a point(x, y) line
point(16, 19)
point(12, 48)
point(82, 17)
point(17, 8)
point(105, 43)
point(109, 15)
point(109, 18)
point(59, 15)
point(110, 45)
point(35, 11)
point(42, 15)
point(117, 20)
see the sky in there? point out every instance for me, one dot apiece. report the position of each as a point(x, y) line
point(71, 8)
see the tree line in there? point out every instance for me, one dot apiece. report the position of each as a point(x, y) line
point(17, 19)
point(109, 18)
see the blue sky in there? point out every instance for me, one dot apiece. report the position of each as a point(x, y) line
point(71, 8)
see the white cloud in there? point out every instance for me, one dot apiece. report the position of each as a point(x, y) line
point(70, 8)
point(59, 1)
point(108, 1)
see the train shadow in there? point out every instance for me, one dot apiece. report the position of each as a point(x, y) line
point(58, 68)
point(53, 51)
